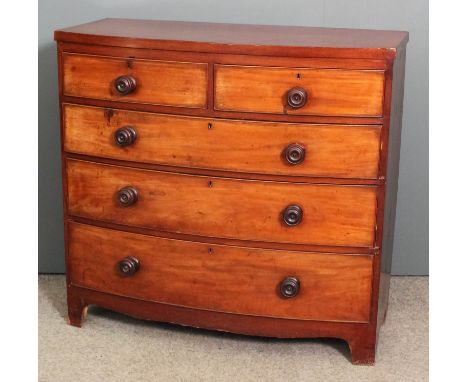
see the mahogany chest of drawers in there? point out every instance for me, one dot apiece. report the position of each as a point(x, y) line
point(232, 177)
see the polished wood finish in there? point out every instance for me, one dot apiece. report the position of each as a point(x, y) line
point(359, 336)
point(212, 277)
point(387, 216)
point(237, 38)
point(318, 91)
point(340, 142)
point(344, 250)
point(345, 151)
point(155, 82)
point(231, 174)
point(231, 208)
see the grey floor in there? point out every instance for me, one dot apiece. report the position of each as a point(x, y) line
point(113, 347)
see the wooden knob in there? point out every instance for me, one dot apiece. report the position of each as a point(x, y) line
point(125, 136)
point(127, 196)
point(129, 266)
point(294, 153)
point(125, 84)
point(297, 97)
point(289, 287)
point(292, 215)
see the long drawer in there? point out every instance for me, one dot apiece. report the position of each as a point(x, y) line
point(135, 80)
point(349, 151)
point(333, 92)
point(274, 283)
point(221, 207)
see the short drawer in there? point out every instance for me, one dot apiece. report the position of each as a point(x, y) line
point(296, 285)
point(134, 80)
point(220, 207)
point(242, 146)
point(332, 92)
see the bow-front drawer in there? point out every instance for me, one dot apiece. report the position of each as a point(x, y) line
point(221, 207)
point(242, 146)
point(134, 80)
point(274, 283)
point(332, 92)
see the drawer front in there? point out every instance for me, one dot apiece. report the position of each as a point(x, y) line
point(155, 82)
point(243, 146)
point(220, 207)
point(222, 278)
point(330, 92)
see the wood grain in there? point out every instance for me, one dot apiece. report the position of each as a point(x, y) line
point(391, 163)
point(239, 146)
point(339, 249)
point(351, 217)
point(330, 92)
point(211, 59)
point(158, 82)
point(272, 40)
point(220, 278)
point(359, 335)
point(231, 208)
point(229, 59)
point(230, 174)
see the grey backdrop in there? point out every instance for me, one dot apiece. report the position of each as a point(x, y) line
point(411, 234)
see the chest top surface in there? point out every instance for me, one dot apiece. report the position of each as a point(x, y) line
point(238, 38)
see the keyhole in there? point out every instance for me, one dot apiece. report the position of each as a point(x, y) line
point(298, 76)
point(210, 184)
point(210, 126)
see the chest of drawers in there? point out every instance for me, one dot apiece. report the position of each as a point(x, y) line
point(232, 177)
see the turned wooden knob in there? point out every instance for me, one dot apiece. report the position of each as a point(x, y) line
point(125, 84)
point(289, 287)
point(125, 136)
point(292, 215)
point(129, 266)
point(294, 153)
point(297, 97)
point(127, 196)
